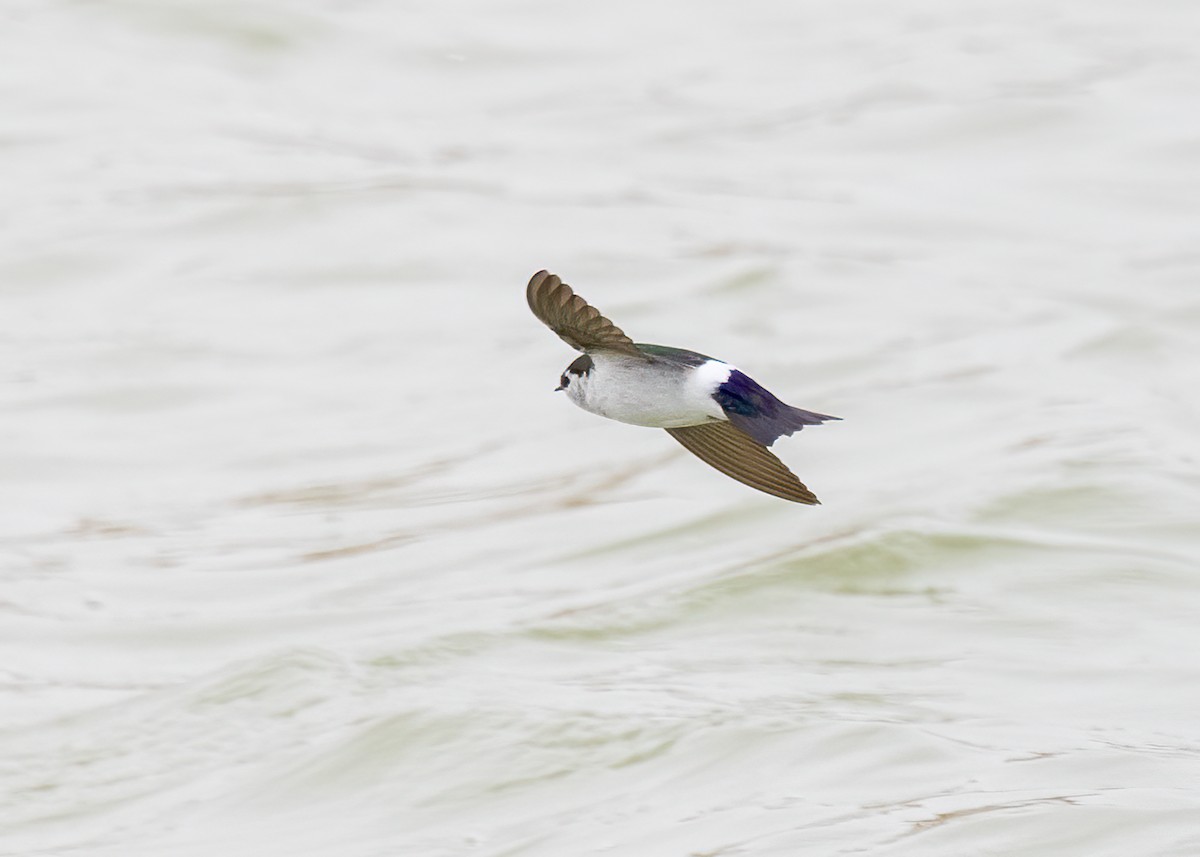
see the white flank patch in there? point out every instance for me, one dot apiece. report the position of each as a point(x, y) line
point(712, 375)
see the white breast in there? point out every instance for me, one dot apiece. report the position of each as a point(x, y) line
point(660, 395)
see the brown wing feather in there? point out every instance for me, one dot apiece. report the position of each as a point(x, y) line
point(738, 455)
point(577, 323)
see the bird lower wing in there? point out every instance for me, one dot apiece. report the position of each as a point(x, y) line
point(739, 456)
point(577, 323)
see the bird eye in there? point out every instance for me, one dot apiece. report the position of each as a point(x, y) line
point(564, 380)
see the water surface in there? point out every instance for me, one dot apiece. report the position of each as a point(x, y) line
point(300, 555)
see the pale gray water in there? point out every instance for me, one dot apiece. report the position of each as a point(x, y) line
point(299, 554)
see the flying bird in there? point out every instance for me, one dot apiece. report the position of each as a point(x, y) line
point(719, 414)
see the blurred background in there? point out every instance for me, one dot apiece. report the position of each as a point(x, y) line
point(299, 553)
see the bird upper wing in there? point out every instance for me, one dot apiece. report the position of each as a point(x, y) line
point(577, 323)
point(738, 455)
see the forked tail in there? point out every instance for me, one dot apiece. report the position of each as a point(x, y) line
point(756, 411)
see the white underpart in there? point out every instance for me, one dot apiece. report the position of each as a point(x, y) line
point(657, 395)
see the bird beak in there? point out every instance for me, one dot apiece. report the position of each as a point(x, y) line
point(559, 388)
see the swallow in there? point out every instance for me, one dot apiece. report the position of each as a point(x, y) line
point(721, 415)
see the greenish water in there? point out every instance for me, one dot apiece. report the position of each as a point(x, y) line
point(300, 555)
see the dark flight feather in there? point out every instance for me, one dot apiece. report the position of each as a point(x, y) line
point(725, 447)
point(576, 322)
